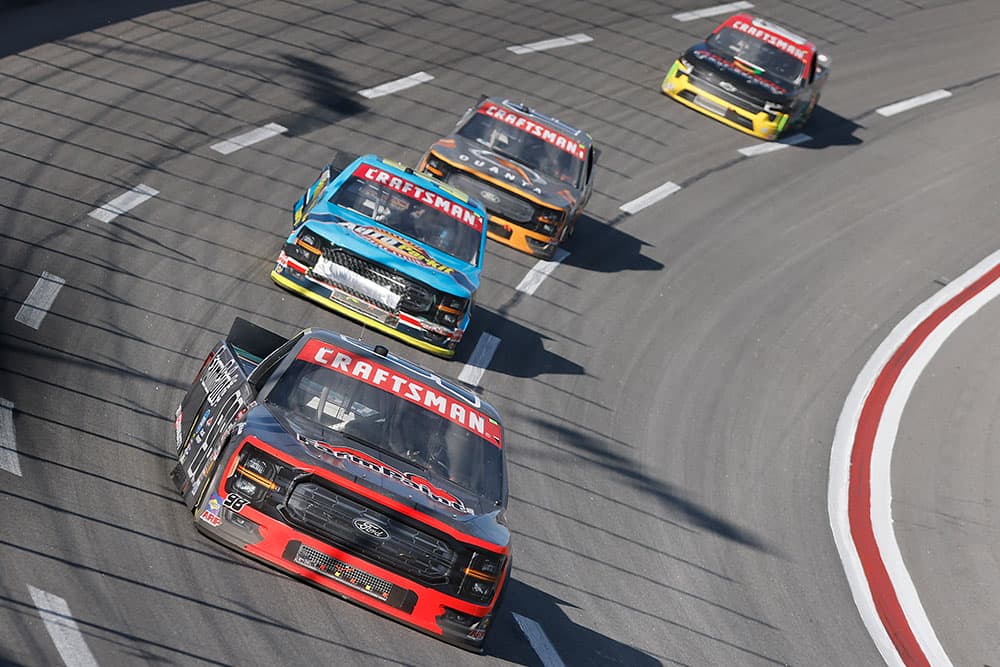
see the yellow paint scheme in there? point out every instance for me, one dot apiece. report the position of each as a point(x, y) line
point(764, 127)
point(359, 317)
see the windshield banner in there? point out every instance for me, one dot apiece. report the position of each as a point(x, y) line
point(376, 375)
point(414, 191)
point(534, 129)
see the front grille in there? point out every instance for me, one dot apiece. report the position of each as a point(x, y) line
point(404, 549)
point(708, 81)
point(498, 201)
point(414, 297)
point(347, 574)
point(350, 575)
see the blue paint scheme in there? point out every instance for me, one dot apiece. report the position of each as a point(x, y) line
point(334, 223)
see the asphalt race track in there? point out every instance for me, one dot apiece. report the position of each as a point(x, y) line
point(670, 388)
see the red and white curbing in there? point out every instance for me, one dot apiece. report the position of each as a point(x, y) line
point(860, 504)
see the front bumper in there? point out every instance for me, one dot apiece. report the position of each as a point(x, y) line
point(260, 536)
point(512, 234)
point(413, 330)
point(678, 85)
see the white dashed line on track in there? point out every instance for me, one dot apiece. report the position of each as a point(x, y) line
point(539, 641)
point(540, 271)
point(544, 45)
point(712, 11)
point(63, 630)
point(473, 371)
point(913, 102)
point(8, 443)
point(39, 300)
point(396, 86)
point(248, 138)
point(650, 198)
point(761, 149)
point(123, 203)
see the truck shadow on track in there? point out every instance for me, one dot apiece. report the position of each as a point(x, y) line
point(574, 644)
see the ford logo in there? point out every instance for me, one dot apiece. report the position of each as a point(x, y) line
point(725, 85)
point(370, 528)
point(490, 197)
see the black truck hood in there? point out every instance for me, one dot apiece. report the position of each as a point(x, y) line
point(388, 476)
point(720, 69)
point(476, 158)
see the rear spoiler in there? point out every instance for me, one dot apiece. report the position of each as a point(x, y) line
point(252, 342)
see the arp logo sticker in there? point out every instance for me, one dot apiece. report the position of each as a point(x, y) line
point(211, 519)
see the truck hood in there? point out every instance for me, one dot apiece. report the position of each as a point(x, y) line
point(365, 237)
point(474, 157)
point(391, 478)
point(717, 68)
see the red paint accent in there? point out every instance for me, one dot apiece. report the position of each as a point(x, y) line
point(420, 193)
point(374, 496)
point(887, 604)
point(406, 387)
point(543, 132)
point(276, 535)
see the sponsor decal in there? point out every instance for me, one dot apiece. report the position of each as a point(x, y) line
point(370, 528)
point(219, 377)
point(725, 85)
point(544, 133)
point(447, 405)
point(702, 54)
point(177, 427)
point(211, 519)
point(215, 503)
point(417, 193)
point(409, 479)
point(482, 161)
point(398, 246)
point(235, 502)
point(773, 39)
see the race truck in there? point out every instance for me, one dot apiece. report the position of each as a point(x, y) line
point(533, 173)
point(354, 470)
point(752, 75)
point(397, 250)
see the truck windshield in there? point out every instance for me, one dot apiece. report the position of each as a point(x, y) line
point(384, 421)
point(414, 218)
point(755, 54)
point(520, 146)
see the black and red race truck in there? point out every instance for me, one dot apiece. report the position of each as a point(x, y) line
point(353, 469)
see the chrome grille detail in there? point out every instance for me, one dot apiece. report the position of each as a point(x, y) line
point(414, 297)
point(332, 515)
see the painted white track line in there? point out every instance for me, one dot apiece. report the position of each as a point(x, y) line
point(479, 361)
point(712, 11)
point(540, 271)
point(926, 328)
point(761, 149)
point(396, 86)
point(650, 198)
point(8, 443)
point(63, 629)
point(248, 138)
point(123, 203)
point(39, 300)
point(913, 102)
point(539, 641)
point(569, 40)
